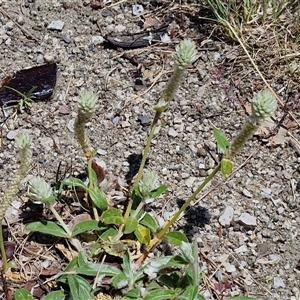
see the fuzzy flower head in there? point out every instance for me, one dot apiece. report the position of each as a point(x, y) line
point(148, 184)
point(185, 53)
point(23, 140)
point(264, 105)
point(41, 191)
point(87, 102)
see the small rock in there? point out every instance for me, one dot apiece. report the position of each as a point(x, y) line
point(230, 268)
point(185, 175)
point(56, 25)
point(107, 13)
point(227, 216)
point(247, 193)
point(201, 152)
point(71, 125)
point(172, 132)
point(266, 192)
point(144, 120)
point(48, 57)
point(278, 282)
point(11, 134)
point(46, 143)
point(137, 9)
point(241, 249)
point(247, 220)
point(101, 152)
point(125, 124)
point(97, 39)
point(280, 210)
point(190, 181)
point(120, 28)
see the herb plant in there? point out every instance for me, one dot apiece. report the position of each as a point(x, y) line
point(116, 230)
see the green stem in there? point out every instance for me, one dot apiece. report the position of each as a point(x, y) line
point(144, 158)
point(91, 187)
point(147, 147)
point(60, 220)
point(2, 248)
point(161, 234)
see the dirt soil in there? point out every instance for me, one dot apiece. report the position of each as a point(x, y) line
point(256, 256)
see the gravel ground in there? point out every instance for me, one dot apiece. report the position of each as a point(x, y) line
point(251, 240)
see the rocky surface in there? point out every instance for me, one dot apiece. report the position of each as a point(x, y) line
point(256, 247)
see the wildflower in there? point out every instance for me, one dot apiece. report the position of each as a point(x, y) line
point(41, 191)
point(263, 106)
point(148, 184)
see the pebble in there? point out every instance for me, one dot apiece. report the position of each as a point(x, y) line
point(247, 193)
point(227, 216)
point(125, 124)
point(97, 39)
point(247, 220)
point(230, 268)
point(137, 9)
point(172, 132)
point(70, 125)
point(46, 143)
point(190, 181)
point(280, 210)
point(56, 25)
point(120, 28)
point(11, 134)
point(101, 152)
point(278, 282)
point(107, 13)
point(48, 57)
point(241, 249)
point(144, 120)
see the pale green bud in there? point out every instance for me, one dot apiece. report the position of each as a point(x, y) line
point(185, 53)
point(87, 102)
point(23, 140)
point(264, 104)
point(187, 252)
point(148, 184)
point(41, 191)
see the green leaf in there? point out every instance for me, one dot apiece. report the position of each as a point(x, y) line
point(92, 177)
point(111, 232)
point(73, 181)
point(175, 261)
point(86, 226)
point(226, 167)
point(190, 293)
point(80, 288)
point(221, 139)
point(56, 295)
point(149, 222)
point(112, 216)
point(127, 265)
point(85, 267)
point(22, 294)
point(119, 281)
point(160, 294)
point(169, 280)
point(99, 198)
point(133, 294)
point(157, 192)
point(176, 237)
point(143, 234)
point(130, 225)
point(48, 228)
